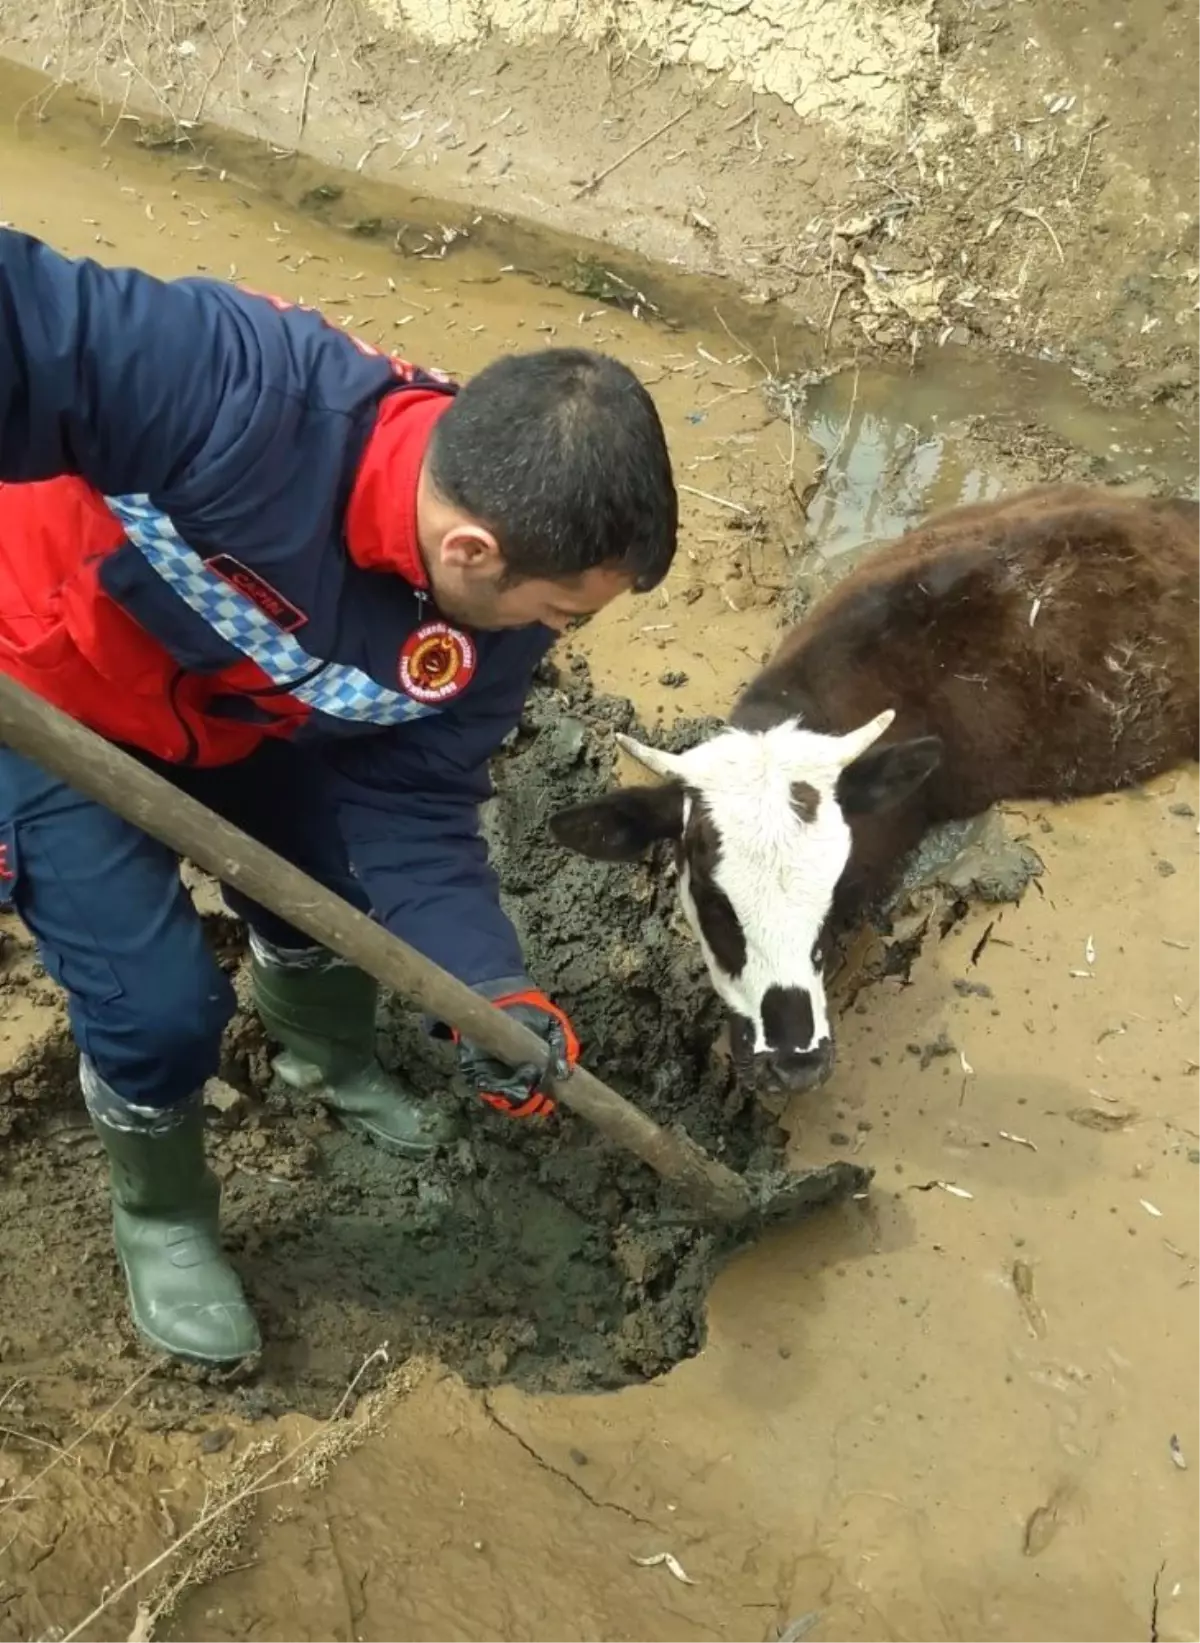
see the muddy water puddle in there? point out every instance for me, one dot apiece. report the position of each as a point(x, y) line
point(928, 1415)
point(959, 428)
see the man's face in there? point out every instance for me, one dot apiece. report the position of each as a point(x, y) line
point(468, 580)
point(479, 597)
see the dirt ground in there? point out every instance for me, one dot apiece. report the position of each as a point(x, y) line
point(925, 1413)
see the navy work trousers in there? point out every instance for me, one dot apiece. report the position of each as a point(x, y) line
point(116, 928)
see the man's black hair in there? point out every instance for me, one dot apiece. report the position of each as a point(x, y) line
point(562, 456)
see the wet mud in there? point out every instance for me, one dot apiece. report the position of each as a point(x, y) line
point(531, 1253)
point(542, 1254)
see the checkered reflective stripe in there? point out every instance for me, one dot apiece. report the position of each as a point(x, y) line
point(341, 691)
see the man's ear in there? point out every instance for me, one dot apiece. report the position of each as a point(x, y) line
point(622, 825)
point(470, 547)
point(880, 779)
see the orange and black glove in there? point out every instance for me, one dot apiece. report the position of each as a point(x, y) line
point(514, 1090)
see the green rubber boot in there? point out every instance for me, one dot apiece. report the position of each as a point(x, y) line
point(185, 1297)
point(324, 1016)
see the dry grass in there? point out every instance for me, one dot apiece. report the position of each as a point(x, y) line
point(891, 263)
point(142, 42)
point(166, 54)
point(215, 1540)
point(61, 1453)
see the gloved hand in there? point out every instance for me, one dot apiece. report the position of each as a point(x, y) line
point(514, 1091)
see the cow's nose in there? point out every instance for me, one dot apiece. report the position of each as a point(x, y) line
point(801, 1069)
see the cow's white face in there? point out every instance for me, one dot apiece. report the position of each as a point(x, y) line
point(759, 819)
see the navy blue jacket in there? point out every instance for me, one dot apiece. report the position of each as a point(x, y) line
point(208, 536)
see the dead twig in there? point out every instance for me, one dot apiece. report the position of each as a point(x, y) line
point(1087, 153)
point(790, 463)
point(223, 53)
point(739, 344)
point(832, 315)
point(310, 67)
point(10, 1391)
point(27, 1437)
point(721, 501)
point(207, 1518)
point(1036, 216)
point(841, 439)
point(660, 131)
point(75, 1442)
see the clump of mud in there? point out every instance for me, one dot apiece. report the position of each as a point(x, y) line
point(539, 1253)
point(609, 936)
point(535, 1253)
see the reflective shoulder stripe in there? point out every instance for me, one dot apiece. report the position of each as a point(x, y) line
point(341, 691)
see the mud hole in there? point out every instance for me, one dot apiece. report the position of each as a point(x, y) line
point(544, 1261)
point(551, 1260)
point(543, 1257)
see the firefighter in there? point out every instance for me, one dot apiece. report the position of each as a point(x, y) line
point(309, 583)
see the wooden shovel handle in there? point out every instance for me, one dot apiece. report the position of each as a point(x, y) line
point(112, 777)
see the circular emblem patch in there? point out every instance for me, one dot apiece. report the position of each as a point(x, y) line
point(437, 662)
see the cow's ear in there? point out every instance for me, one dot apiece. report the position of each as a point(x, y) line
point(622, 825)
point(880, 779)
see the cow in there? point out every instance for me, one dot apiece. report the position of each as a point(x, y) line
point(1040, 646)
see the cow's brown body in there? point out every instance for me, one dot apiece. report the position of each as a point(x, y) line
point(1050, 640)
point(1042, 647)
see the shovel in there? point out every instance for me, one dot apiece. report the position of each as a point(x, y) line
point(100, 771)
